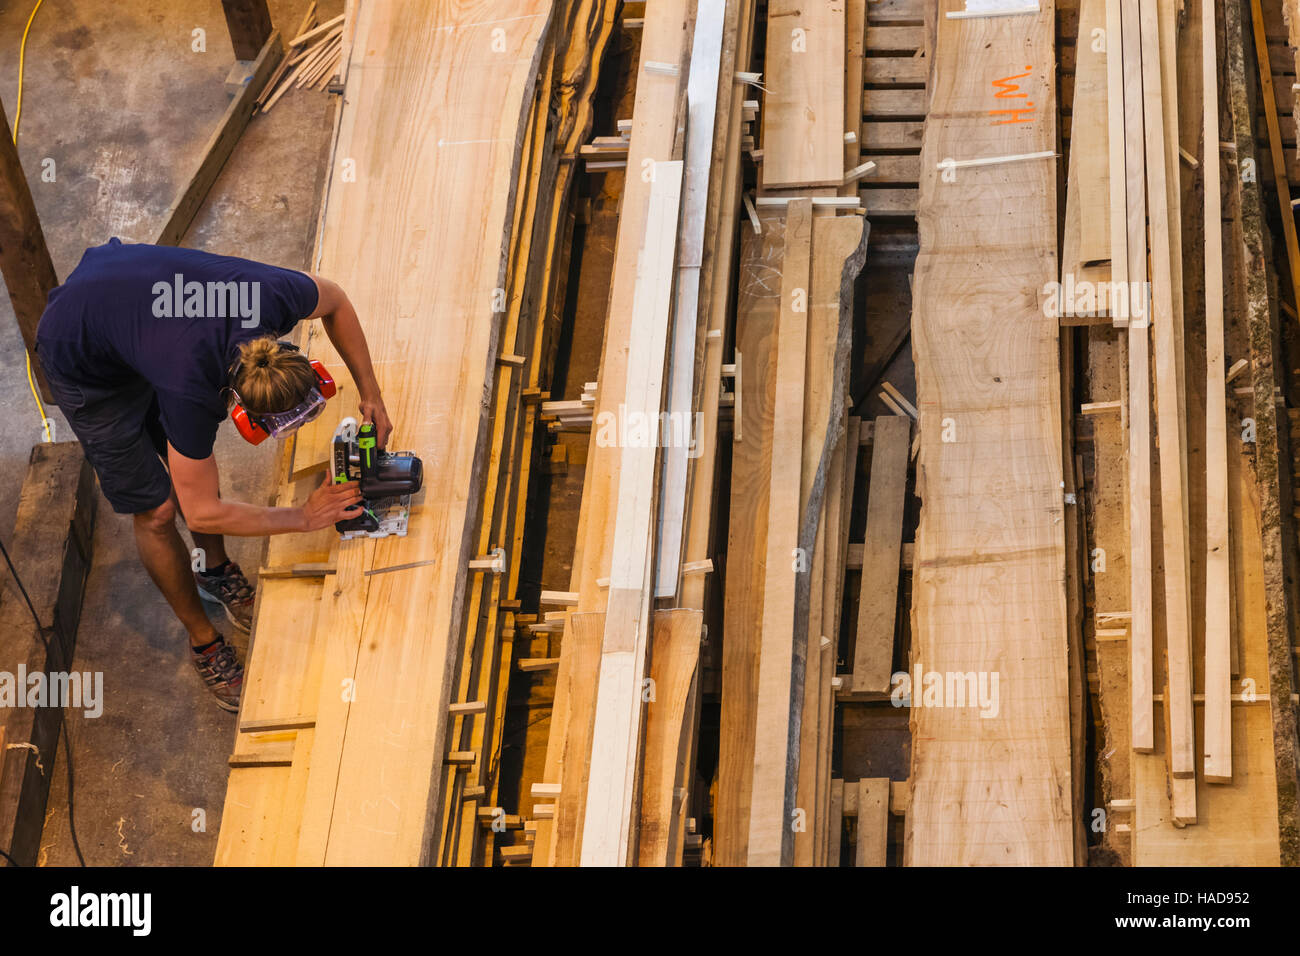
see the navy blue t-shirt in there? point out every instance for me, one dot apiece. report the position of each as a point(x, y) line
point(173, 317)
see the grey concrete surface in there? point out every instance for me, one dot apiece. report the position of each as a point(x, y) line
point(118, 99)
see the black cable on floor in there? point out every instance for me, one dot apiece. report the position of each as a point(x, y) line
point(63, 726)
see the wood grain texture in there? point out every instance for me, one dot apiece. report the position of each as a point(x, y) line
point(1218, 616)
point(769, 833)
point(1169, 382)
point(430, 128)
point(1141, 637)
point(24, 258)
point(873, 657)
point(675, 654)
point(989, 567)
point(803, 109)
point(758, 305)
point(615, 744)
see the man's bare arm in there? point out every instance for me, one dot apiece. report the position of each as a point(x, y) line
point(339, 318)
point(197, 485)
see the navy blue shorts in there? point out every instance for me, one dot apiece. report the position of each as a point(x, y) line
point(121, 432)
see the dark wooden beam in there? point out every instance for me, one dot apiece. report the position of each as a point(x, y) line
point(221, 145)
point(249, 22)
point(51, 550)
point(24, 259)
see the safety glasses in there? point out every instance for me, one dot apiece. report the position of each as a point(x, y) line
point(280, 424)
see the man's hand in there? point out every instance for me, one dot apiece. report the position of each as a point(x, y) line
point(331, 503)
point(373, 410)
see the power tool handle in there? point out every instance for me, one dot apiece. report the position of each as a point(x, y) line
point(367, 447)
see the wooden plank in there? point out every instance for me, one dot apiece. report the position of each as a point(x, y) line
point(1170, 418)
point(804, 103)
point(873, 656)
point(758, 300)
point(855, 28)
point(835, 241)
point(890, 38)
point(891, 104)
point(770, 840)
point(24, 258)
point(895, 70)
point(1090, 146)
point(1218, 617)
point(702, 107)
point(886, 134)
point(873, 821)
point(674, 659)
point(568, 753)
point(611, 786)
point(1141, 650)
point(983, 791)
point(324, 29)
point(367, 803)
point(219, 147)
point(249, 23)
point(889, 203)
point(835, 825)
point(51, 550)
point(1253, 298)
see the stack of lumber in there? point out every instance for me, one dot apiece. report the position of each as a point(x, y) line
point(792, 442)
point(1198, 714)
point(646, 515)
point(588, 810)
point(894, 70)
point(538, 273)
point(316, 56)
point(990, 549)
point(352, 672)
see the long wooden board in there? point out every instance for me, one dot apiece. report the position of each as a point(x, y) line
point(611, 788)
point(758, 302)
point(873, 657)
point(989, 566)
point(769, 832)
point(436, 98)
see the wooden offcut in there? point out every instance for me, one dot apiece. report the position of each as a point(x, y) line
point(803, 144)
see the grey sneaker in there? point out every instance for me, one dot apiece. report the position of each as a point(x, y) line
point(227, 586)
point(221, 673)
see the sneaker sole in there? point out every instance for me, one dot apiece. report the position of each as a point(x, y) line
point(211, 599)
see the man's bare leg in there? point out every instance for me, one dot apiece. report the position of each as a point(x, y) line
point(164, 556)
point(213, 547)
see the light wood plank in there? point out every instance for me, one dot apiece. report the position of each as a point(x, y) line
point(990, 550)
point(803, 107)
point(758, 302)
point(1218, 573)
point(770, 840)
point(1170, 417)
point(675, 656)
point(1141, 640)
point(873, 821)
point(615, 743)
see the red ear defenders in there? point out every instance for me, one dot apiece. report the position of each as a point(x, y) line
point(255, 429)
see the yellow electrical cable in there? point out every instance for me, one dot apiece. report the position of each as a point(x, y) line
point(18, 117)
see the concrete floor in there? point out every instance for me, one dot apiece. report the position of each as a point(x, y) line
point(116, 97)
